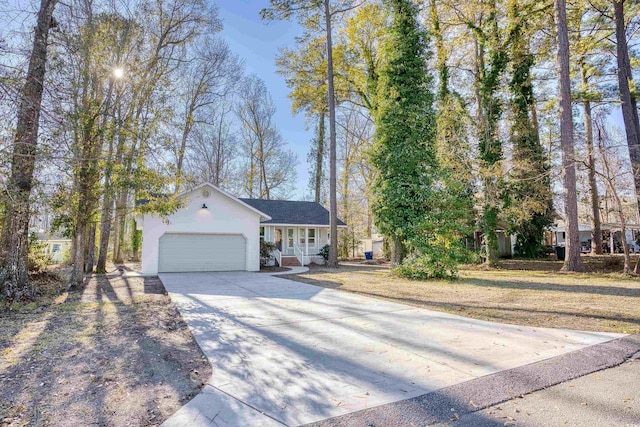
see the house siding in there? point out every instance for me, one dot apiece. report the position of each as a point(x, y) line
point(222, 216)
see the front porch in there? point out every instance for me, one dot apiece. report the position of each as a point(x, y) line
point(296, 245)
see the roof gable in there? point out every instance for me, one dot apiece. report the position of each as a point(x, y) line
point(263, 216)
point(292, 212)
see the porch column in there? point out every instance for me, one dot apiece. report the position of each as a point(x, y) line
point(611, 241)
point(306, 240)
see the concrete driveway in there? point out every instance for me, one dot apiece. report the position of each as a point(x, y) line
point(288, 353)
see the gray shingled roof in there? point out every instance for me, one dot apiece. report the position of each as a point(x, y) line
point(292, 212)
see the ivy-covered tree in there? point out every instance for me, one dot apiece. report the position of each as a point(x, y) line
point(404, 152)
point(416, 206)
point(452, 125)
point(530, 201)
point(492, 58)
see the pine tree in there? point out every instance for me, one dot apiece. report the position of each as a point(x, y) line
point(572, 260)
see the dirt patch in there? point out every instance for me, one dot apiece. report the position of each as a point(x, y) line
point(115, 353)
point(588, 301)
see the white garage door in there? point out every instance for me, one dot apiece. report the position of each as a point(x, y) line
point(201, 252)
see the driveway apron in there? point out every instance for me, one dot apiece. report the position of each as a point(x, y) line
point(288, 353)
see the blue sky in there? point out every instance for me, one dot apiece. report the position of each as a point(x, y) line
point(257, 43)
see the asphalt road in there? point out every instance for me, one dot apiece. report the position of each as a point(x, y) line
point(606, 398)
point(595, 386)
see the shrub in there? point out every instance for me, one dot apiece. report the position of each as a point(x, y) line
point(436, 262)
point(37, 261)
point(265, 252)
point(324, 252)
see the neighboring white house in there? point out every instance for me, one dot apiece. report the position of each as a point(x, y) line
point(611, 235)
point(55, 248)
point(215, 231)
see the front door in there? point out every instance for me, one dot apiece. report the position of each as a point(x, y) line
point(278, 239)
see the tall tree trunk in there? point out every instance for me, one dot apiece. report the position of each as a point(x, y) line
point(91, 248)
point(118, 241)
point(332, 262)
point(629, 105)
point(180, 159)
point(596, 236)
point(106, 214)
point(319, 158)
point(264, 186)
point(346, 215)
point(15, 245)
point(105, 232)
point(489, 113)
point(572, 260)
point(87, 179)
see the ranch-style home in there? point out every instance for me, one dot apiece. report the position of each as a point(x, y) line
point(215, 231)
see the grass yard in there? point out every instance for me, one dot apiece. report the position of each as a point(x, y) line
point(117, 353)
point(530, 293)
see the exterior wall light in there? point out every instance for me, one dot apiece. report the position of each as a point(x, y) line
point(204, 206)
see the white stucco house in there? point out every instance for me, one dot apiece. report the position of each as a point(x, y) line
point(215, 231)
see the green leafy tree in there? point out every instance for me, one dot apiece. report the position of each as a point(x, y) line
point(452, 126)
point(403, 154)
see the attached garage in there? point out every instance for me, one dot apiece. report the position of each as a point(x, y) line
point(211, 231)
point(186, 252)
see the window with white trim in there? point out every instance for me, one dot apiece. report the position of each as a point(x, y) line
point(301, 236)
point(312, 236)
point(261, 233)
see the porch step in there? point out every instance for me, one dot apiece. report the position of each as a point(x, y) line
point(290, 261)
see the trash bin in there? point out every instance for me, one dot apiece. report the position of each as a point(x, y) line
point(368, 255)
point(560, 251)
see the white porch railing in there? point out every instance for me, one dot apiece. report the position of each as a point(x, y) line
point(299, 254)
point(277, 255)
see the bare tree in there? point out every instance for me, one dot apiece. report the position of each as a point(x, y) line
point(572, 260)
point(14, 240)
point(270, 170)
point(614, 172)
point(213, 149)
point(211, 75)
